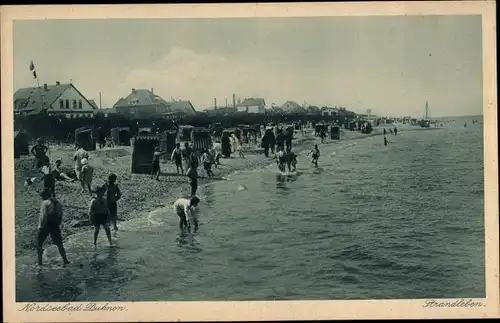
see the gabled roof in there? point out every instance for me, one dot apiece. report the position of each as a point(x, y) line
point(93, 104)
point(35, 100)
point(252, 102)
point(182, 106)
point(291, 106)
point(144, 98)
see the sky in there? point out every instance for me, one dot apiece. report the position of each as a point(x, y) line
point(391, 65)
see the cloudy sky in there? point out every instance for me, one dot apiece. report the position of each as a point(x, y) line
point(391, 65)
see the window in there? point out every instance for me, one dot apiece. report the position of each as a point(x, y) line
point(74, 103)
point(79, 104)
point(67, 104)
point(61, 104)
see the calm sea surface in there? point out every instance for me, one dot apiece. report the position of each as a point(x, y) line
point(372, 222)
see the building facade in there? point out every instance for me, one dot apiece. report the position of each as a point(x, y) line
point(63, 100)
point(252, 105)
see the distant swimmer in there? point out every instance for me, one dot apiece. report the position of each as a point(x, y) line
point(99, 214)
point(177, 158)
point(49, 224)
point(315, 155)
point(185, 209)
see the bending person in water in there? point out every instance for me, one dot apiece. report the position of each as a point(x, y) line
point(280, 160)
point(185, 209)
point(315, 155)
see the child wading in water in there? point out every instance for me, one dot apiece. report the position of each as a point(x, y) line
point(192, 174)
point(113, 194)
point(207, 161)
point(49, 224)
point(99, 214)
point(315, 155)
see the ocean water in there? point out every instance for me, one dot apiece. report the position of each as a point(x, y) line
point(372, 222)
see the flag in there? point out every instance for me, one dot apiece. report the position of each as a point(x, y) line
point(32, 66)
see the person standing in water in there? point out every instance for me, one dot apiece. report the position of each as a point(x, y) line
point(192, 174)
point(385, 132)
point(177, 158)
point(315, 155)
point(395, 131)
point(385, 141)
point(156, 162)
point(113, 195)
point(206, 160)
point(185, 209)
point(99, 214)
point(86, 175)
point(280, 160)
point(51, 214)
point(39, 151)
point(291, 160)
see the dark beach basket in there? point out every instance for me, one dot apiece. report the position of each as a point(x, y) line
point(85, 138)
point(142, 155)
point(335, 132)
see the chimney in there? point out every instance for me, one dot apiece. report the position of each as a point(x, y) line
point(45, 87)
point(57, 83)
point(133, 90)
point(234, 101)
point(215, 103)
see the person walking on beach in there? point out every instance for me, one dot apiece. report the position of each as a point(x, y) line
point(315, 155)
point(385, 131)
point(99, 214)
point(390, 130)
point(156, 162)
point(395, 131)
point(185, 210)
point(86, 175)
point(206, 160)
point(113, 195)
point(288, 139)
point(49, 182)
point(236, 145)
point(39, 151)
point(51, 214)
point(79, 155)
point(322, 135)
point(177, 158)
point(192, 174)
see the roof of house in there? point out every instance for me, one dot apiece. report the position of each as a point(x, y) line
point(49, 95)
point(182, 106)
point(291, 106)
point(144, 97)
point(34, 98)
point(93, 104)
point(252, 102)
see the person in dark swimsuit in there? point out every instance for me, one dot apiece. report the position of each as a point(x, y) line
point(49, 224)
point(40, 152)
point(291, 160)
point(156, 163)
point(113, 195)
point(315, 155)
point(49, 181)
point(192, 174)
point(99, 214)
point(177, 158)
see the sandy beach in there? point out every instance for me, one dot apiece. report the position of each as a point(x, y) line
point(140, 192)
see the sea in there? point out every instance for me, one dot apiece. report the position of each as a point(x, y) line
point(402, 221)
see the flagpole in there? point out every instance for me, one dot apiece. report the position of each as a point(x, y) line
point(35, 74)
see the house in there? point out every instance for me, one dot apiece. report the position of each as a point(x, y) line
point(331, 112)
point(93, 104)
point(105, 112)
point(252, 105)
point(221, 111)
point(292, 107)
point(141, 103)
point(60, 99)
